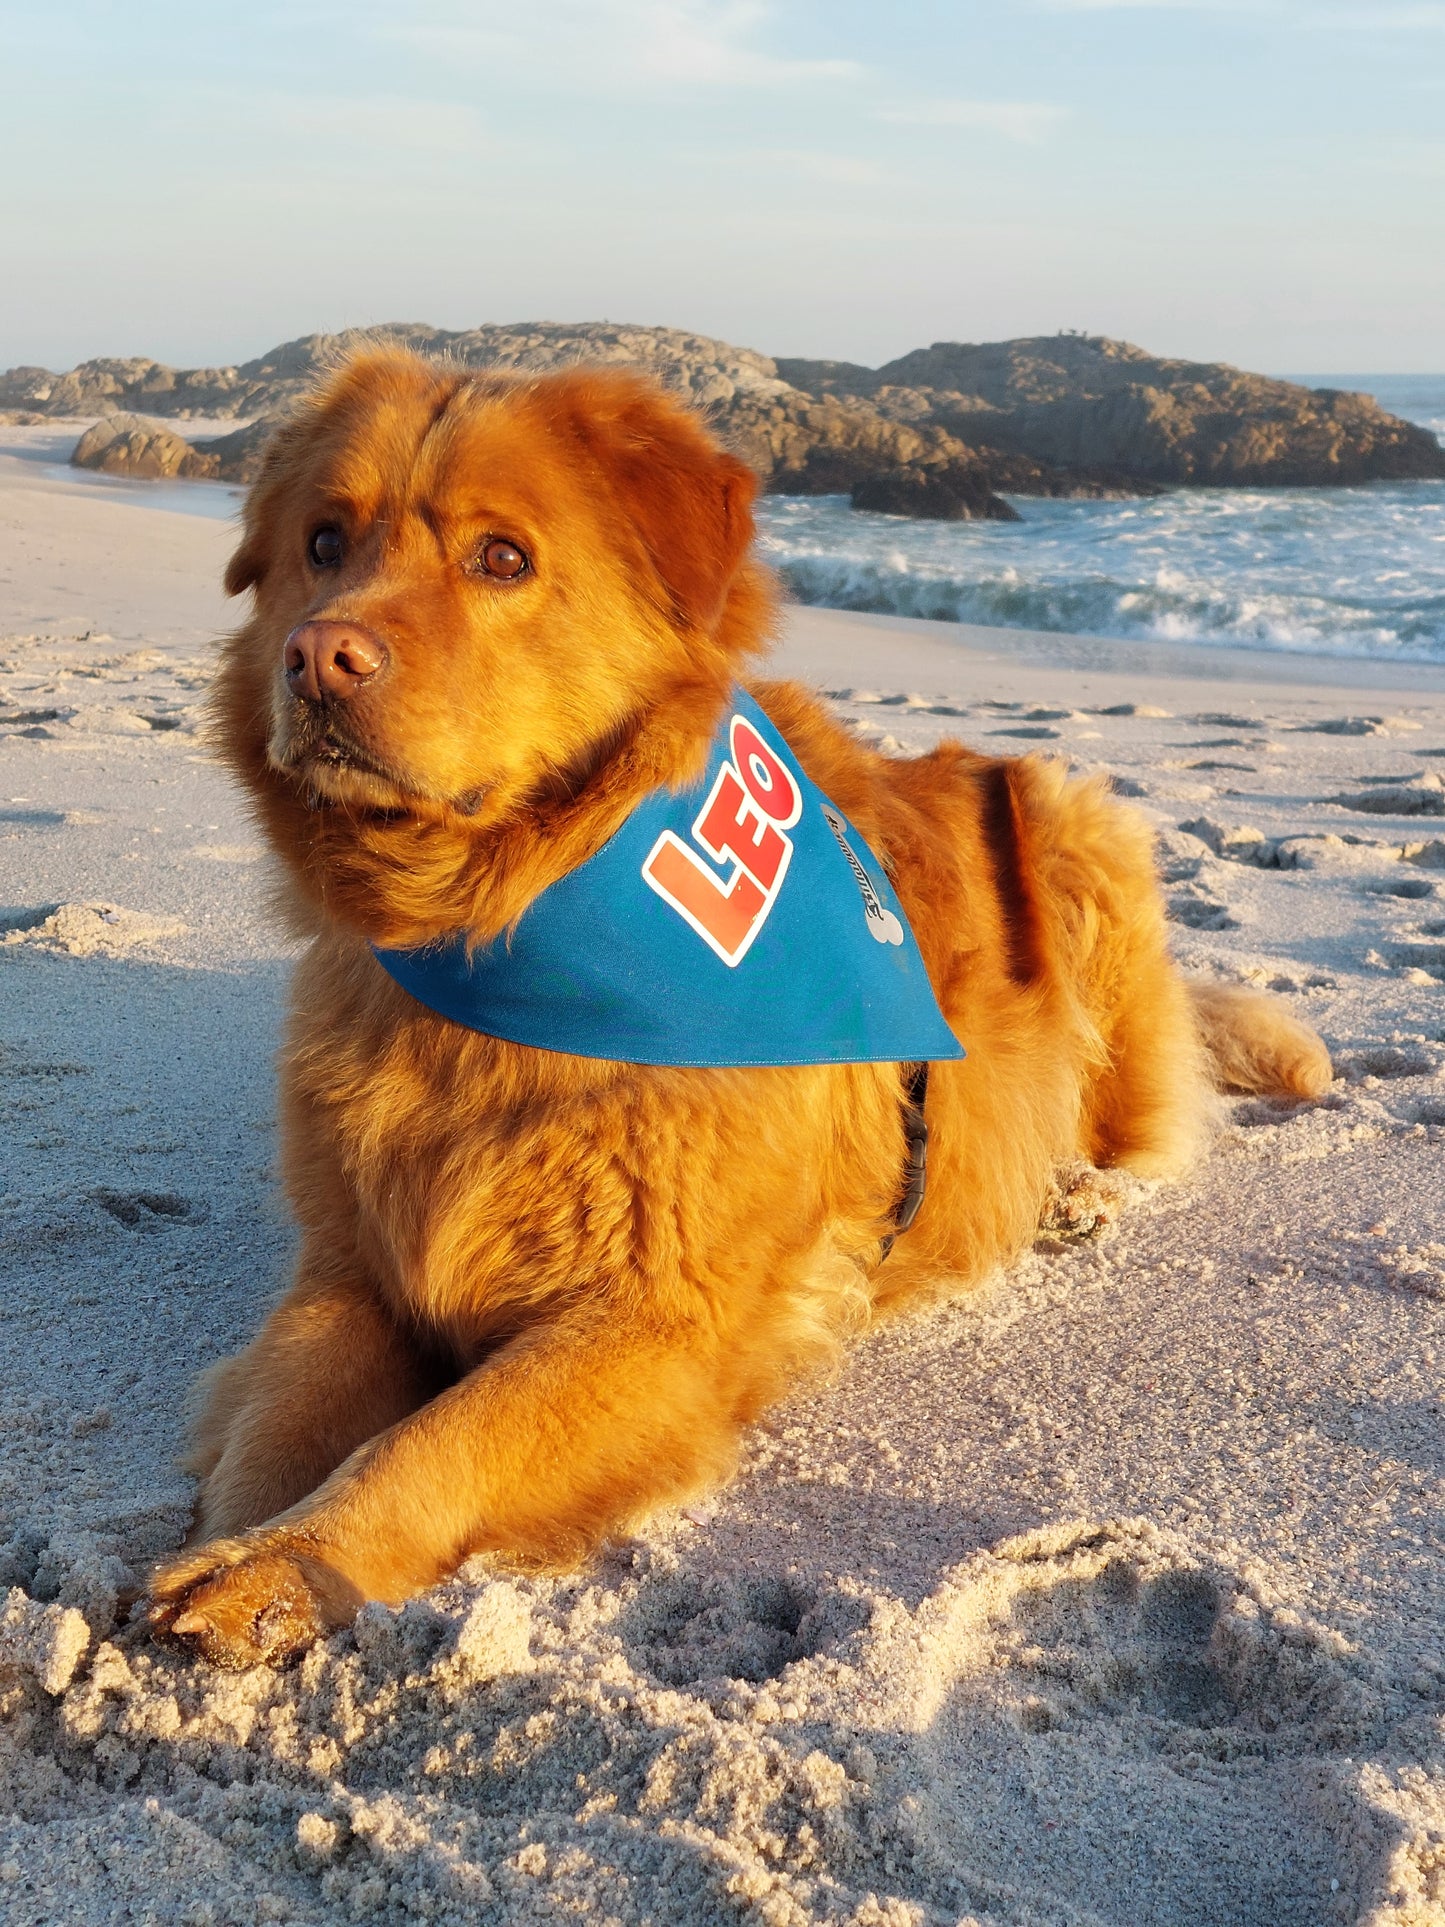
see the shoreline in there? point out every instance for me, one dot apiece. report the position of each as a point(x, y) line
point(982, 657)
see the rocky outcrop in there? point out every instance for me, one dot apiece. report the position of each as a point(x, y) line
point(1053, 415)
point(818, 445)
point(238, 455)
point(1083, 402)
point(709, 373)
point(951, 492)
point(133, 445)
point(23, 393)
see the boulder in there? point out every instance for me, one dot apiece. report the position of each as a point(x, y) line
point(133, 445)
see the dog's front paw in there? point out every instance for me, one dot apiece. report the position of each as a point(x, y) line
point(241, 1603)
point(1085, 1203)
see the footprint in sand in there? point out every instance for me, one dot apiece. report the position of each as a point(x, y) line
point(1357, 726)
point(1335, 855)
point(13, 820)
point(1388, 798)
point(109, 720)
point(1388, 1060)
point(1411, 889)
point(924, 704)
point(150, 1210)
point(1119, 1698)
point(693, 1628)
point(1197, 908)
point(1420, 962)
point(14, 1063)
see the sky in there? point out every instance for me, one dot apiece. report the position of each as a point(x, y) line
point(1257, 181)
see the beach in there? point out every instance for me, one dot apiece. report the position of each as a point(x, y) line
point(1106, 1593)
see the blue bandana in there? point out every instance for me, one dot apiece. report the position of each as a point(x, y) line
point(743, 921)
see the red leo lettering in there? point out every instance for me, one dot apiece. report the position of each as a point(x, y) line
point(727, 915)
point(731, 826)
point(770, 783)
point(753, 800)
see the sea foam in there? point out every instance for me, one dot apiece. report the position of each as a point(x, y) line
point(1357, 572)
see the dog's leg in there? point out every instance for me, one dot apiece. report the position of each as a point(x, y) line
point(563, 1435)
point(328, 1370)
point(1147, 1111)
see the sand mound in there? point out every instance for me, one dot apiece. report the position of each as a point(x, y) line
point(87, 929)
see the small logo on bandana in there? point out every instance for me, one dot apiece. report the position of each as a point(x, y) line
point(883, 926)
point(753, 803)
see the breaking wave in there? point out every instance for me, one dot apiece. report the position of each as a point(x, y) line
point(1358, 572)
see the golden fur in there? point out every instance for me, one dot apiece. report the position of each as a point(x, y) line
point(539, 1295)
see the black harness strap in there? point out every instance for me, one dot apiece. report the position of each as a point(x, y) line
point(915, 1159)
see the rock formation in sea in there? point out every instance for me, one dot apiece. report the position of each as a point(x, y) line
point(949, 492)
point(947, 430)
point(1083, 401)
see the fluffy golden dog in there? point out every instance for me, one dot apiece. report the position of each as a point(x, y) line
point(539, 1295)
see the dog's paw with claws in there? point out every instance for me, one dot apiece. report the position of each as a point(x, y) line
point(1085, 1203)
point(244, 1603)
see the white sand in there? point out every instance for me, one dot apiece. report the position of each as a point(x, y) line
point(1110, 1594)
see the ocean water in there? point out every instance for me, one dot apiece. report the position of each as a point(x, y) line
point(1358, 572)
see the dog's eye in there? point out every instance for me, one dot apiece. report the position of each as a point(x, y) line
point(326, 547)
point(502, 558)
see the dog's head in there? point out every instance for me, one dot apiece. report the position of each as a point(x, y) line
point(473, 595)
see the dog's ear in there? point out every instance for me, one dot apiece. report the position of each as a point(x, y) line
point(248, 565)
point(688, 501)
point(245, 568)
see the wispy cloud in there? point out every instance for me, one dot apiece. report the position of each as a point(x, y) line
point(611, 46)
point(1155, 6)
point(1418, 19)
point(1426, 16)
point(1015, 120)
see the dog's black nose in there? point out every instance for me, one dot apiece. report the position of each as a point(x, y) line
point(329, 661)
